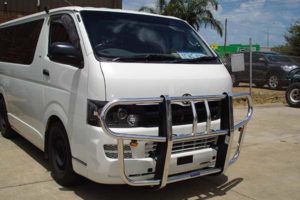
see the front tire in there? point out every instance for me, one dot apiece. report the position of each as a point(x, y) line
point(292, 95)
point(5, 127)
point(60, 157)
point(274, 82)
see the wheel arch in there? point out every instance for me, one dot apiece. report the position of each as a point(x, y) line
point(272, 72)
point(54, 113)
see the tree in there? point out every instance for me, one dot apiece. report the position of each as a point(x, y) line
point(196, 12)
point(283, 49)
point(293, 38)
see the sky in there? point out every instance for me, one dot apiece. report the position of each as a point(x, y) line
point(246, 18)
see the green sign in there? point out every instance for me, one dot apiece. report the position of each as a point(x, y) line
point(234, 48)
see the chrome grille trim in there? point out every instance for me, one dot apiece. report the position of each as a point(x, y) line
point(179, 147)
point(111, 151)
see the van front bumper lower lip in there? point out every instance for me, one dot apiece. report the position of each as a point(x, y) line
point(165, 137)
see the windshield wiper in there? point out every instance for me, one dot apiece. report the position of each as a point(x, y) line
point(197, 60)
point(147, 57)
point(164, 57)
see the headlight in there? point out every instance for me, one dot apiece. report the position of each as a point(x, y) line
point(117, 117)
point(288, 68)
point(122, 114)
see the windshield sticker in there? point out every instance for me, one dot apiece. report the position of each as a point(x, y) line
point(190, 55)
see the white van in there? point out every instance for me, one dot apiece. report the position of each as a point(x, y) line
point(117, 96)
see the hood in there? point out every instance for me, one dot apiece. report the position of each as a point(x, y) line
point(137, 80)
point(294, 74)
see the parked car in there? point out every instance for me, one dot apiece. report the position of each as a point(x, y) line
point(293, 91)
point(119, 97)
point(267, 68)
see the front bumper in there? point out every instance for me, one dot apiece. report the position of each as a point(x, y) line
point(165, 139)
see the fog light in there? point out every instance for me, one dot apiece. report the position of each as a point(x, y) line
point(132, 120)
point(134, 143)
point(121, 113)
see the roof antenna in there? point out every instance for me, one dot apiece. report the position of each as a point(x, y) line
point(46, 9)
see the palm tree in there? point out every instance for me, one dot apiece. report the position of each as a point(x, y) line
point(160, 8)
point(196, 12)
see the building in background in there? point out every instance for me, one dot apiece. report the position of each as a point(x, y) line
point(265, 49)
point(11, 9)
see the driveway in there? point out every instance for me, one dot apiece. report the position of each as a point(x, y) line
point(269, 168)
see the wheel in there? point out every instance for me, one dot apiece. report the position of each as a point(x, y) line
point(60, 157)
point(273, 82)
point(5, 127)
point(235, 83)
point(292, 95)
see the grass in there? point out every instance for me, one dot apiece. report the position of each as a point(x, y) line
point(261, 95)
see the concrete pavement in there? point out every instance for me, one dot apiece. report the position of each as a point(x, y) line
point(269, 168)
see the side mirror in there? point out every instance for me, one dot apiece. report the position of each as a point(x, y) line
point(66, 53)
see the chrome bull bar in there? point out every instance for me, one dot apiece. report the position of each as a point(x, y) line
point(166, 138)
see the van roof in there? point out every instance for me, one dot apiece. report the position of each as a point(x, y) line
point(78, 9)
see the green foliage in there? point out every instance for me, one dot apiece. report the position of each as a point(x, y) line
point(196, 12)
point(284, 49)
point(293, 38)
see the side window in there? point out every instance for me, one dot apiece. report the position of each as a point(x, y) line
point(18, 42)
point(63, 29)
point(257, 57)
point(58, 33)
point(64, 43)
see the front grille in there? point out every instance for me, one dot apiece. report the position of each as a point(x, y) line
point(111, 151)
point(179, 147)
point(193, 145)
point(181, 114)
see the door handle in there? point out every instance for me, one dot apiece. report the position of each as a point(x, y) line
point(46, 72)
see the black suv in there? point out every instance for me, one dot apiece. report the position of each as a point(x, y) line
point(267, 68)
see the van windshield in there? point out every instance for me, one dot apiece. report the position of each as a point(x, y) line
point(123, 37)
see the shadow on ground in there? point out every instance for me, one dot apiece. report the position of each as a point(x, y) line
point(31, 150)
point(200, 188)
